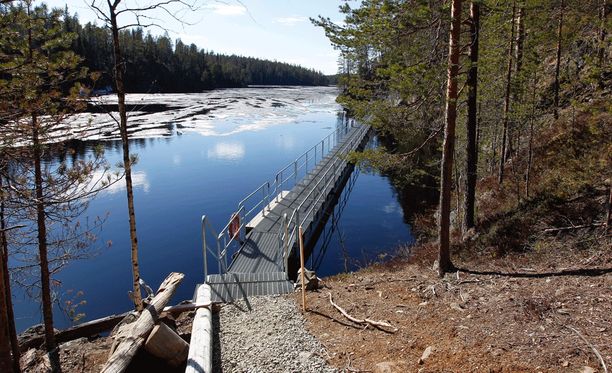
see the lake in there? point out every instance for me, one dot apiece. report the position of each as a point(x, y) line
point(201, 154)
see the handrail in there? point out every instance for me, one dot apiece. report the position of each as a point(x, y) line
point(232, 234)
point(206, 224)
point(291, 224)
point(261, 197)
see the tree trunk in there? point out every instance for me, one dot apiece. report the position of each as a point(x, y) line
point(558, 62)
point(505, 148)
point(7, 290)
point(609, 217)
point(126, 157)
point(472, 120)
point(5, 341)
point(444, 261)
point(45, 286)
point(139, 331)
point(520, 39)
point(601, 52)
point(518, 55)
point(530, 150)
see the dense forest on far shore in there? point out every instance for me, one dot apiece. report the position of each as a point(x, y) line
point(157, 64)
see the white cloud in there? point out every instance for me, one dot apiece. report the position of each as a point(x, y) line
point(227, 9)
point(291, 21)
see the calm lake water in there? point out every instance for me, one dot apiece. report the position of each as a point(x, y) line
point(190, 172)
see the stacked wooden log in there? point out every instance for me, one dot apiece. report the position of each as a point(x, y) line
point(146, 330)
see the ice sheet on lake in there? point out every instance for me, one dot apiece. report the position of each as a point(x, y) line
point(215, 113)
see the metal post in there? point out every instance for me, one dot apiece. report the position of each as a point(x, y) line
point(219, 263)
point(268, 195)
point(276, 185)
point(295, 172)
point(204, 248)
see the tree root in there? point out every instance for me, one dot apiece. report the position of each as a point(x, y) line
point(377, 324)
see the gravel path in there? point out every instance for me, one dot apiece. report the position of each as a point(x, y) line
point(269, 338)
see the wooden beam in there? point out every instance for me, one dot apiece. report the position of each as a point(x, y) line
point(200, 350)
point(141, 328)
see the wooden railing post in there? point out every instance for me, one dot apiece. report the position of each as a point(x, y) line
point(301, 233)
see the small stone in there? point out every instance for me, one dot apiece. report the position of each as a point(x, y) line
point(390, 367)
point(587, 369)
point(425, 354)
point(565, 364)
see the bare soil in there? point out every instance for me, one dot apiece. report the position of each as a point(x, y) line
point(530, 314)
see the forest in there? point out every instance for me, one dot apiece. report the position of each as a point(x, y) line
point(469, 95)
point(500, 110)
point(157, 64)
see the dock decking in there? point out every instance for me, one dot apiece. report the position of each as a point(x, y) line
point(259, 265)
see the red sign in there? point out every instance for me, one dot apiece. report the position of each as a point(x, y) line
point(234, 227)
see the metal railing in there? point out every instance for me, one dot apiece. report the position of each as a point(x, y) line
point(229, 239)
point(287, 233)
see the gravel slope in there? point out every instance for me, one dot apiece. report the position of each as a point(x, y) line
point(269, 338)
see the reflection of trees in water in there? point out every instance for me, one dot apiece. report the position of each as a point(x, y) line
point(78, 150)
point(319, 252)
point(413, 199)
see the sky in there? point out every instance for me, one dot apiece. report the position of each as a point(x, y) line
point(271, 29)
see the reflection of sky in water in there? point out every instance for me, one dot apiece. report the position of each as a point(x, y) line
point(231, 151)
point(140, 181)
point(213, 113)
point(393, 208)
point(180, 178)
point(286, 142)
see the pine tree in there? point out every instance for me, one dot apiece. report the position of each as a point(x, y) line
point(444, 261)
point(39, 86)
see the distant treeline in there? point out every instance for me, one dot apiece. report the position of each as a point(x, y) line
point(156, 64)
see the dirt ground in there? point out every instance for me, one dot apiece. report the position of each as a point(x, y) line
point(531, 322)
point(90, 354)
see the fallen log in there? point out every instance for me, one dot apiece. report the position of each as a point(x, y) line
point(377, 324)
point(86, 329)
point(561, 229)
point(164, 343)
point(140, 329)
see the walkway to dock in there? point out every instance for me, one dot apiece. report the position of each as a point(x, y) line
point(263, 234)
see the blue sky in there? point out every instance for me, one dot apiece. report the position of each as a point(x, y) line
point(271, 29)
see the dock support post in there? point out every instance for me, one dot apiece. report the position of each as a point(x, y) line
point(303, 275)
